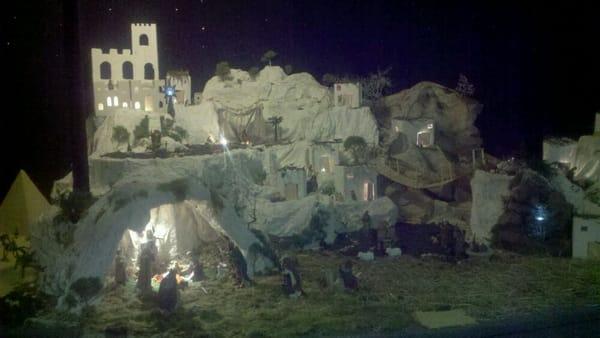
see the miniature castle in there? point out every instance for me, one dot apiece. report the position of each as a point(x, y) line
point(129, 78)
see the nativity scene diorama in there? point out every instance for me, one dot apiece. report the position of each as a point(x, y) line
point(271, 182)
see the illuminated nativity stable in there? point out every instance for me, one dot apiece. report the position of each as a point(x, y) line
point(262, 165)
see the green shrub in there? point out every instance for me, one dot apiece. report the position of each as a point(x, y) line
point(223, 71)
point(357, 146)
point(327, 188)
point(142, 130)
point(120, 135)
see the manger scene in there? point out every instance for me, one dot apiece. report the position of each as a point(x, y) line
point(274, 198)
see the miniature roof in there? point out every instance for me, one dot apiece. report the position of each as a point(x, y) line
point(22, 206)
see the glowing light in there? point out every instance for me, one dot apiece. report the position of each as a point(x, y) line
point(323, 170)
point(539, 218)
point(223, 141)
point(170, 91)
point(137, 105)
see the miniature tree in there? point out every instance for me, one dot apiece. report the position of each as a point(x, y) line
point(275, 121)
point(223, 71)
point(120, 135)
point(268, 56)
point(253, 72)
point(464, 87)
point(357, 146)
point(142, 130)
point(288, 69)
point(374, 86)
point(329, 79)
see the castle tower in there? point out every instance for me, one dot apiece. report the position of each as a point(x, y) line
point(145, 50)
point(128, 78)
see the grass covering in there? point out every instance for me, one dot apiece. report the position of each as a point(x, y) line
point(391, 290)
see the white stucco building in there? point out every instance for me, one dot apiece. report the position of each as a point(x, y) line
point(347, 95)
point(358, 182)
point(559, 150)
point(181, 80)
point(420, 132)
point(292, 183)
point(586, 238)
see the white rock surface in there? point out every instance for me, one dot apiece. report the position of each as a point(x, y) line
point(587, 158)
point(139, 188)
point(488, 191)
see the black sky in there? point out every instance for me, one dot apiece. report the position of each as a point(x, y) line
point(533, 64)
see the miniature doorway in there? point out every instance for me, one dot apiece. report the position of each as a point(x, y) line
point(291, 191)
point(368, 191)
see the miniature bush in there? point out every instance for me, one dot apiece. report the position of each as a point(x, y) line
point(268, 56)
point(327, 188)
point(178, 134)
point(142, 130)
point(253, 72)
point(288, 69)
point(21, 303)
point(120, 135)
point(223, 71)
point(357, 146)
point(72, 206)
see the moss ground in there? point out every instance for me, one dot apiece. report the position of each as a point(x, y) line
point(391, 290)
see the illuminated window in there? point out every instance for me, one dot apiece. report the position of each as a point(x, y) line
point(108, 102)
point(100, 106)
point(368, 191)
point(125, 105)
point(116, 101)
point(136, 105)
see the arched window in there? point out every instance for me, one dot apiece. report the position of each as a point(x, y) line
point(100, 106)
point(105, 72)
point(116, 101)
point(136, 105)
point(127, 70)
point(108, 102)
point(125, 105)
point(149, 71)
point(143, 40)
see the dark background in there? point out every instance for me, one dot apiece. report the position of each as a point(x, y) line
point(534, 65)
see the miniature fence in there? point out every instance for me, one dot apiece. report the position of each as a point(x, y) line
point(401, 172)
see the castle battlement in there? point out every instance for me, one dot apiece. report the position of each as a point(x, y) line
point(143, 24)
point(111, 51)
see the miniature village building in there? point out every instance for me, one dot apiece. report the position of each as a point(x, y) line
point(129, 78)
point(347, 95)
point(597, 125)
point(182, 82)
point(586, 238)
point(420, 132)
point(559, 150)
point(356, 182)
point(292, 183)
point(323, 157)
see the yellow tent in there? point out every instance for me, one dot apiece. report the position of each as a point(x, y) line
point(22, 206)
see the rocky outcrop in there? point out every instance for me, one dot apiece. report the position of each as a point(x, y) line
point(587, 159)
point(489, 191)
point(536, 218)
point(454, 114)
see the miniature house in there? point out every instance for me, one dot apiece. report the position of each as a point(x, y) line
point(347, 95)
point(323, 157)
point(559, 150)
point(420, 132)
point(292, 183)
point(586, 238)
point(356, 182)
point(181, 80)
